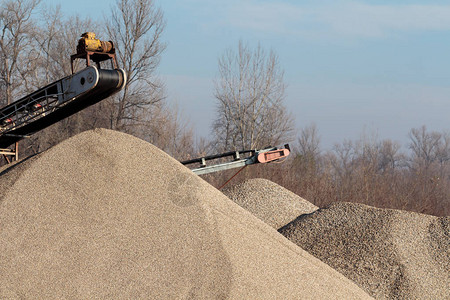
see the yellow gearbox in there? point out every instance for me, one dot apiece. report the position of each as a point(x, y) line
point(88, 42)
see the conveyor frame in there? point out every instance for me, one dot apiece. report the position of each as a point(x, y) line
point(57, 101)
point(240, 159)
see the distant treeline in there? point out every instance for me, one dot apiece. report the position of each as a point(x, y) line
point(374, 172)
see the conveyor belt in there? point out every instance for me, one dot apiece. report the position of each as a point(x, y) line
point(239, 159)
point(58, 100)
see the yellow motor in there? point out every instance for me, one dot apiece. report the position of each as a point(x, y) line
point(88, 42)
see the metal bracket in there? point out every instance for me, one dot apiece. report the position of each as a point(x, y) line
point(96, 57)
point(10, 153)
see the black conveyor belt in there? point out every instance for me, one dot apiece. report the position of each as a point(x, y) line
point(110, 82)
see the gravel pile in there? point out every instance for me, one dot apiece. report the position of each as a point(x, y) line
point(269, 201)
point(391, 254)
point(106, 215)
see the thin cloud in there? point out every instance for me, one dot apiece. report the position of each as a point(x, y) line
point(356, 19)
point(341, 18)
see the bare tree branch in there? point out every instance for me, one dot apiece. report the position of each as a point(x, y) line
point(16, 47)
point(136, 27)
point(250, 91)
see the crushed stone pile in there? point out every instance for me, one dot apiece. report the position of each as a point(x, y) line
point(106, 215)
point(391, 254)
point(269, 201)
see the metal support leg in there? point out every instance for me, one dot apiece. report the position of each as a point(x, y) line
point(17, 151)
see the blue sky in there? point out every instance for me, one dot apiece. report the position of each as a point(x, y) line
point(352, 67)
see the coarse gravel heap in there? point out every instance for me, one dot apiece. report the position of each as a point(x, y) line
point(269, 201)
point(106, 215)
point(391, 254)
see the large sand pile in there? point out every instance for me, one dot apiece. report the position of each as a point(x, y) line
point(392, 254)
point(105, 215)
point(269, 201)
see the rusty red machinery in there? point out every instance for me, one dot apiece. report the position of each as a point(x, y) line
point(273, 155)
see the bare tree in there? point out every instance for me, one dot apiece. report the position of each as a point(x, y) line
point(170, 131)
point(443, 151)
point(250, 91)
point(425, 146)
point(136, 27)
point(16, 49)
point(389, 156)
point(309, 142)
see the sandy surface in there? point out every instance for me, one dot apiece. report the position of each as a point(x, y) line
point(106, 215)
point(269, 201)
point(391, 254)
